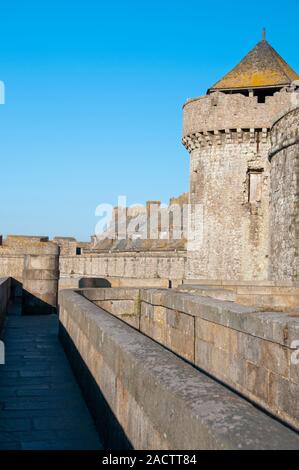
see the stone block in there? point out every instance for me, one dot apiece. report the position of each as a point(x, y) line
point(275, 358)
point(257, 381)
point(203, 354)
point(147, 310)
point(284, 397)
point(294, 368)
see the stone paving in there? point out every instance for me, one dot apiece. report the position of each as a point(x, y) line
point(41, 405)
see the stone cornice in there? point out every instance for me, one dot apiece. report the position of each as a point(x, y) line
point(225, 137)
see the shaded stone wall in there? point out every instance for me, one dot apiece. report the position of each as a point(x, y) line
point(284, 220)
point(228, 137)
point(5, 286)
point(40, 281)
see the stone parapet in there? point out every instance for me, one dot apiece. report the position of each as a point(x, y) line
point(265, 295)
point(136, 387)
point(246, 348)
point(221, 111)
point(138, 265)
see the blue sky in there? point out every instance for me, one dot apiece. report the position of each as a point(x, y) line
point(94, 92)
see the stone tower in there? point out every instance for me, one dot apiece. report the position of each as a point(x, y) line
point(227, 133)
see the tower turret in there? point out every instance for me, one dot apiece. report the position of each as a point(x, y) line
point(227, 133)
point(261, 73)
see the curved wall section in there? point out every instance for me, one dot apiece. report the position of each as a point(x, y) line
point(284, 201)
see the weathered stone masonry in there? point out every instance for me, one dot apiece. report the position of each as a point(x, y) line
point(247, 349)
point(228, 137)
point(284, 224)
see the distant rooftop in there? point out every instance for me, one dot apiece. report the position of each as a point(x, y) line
point(262, 68)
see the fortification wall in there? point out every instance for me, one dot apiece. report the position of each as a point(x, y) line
point(220, 111)
point(228, 137)
point(145, 396)
point(152, 269)
point(284, 221)
point(130, 265)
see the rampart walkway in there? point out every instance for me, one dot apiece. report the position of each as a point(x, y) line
point(41, 406)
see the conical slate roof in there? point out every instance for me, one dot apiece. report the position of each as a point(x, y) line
point(263, 67)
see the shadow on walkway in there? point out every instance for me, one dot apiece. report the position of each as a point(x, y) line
point(41, 405)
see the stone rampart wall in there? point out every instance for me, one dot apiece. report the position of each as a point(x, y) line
point(157, 400)
point(124, 265)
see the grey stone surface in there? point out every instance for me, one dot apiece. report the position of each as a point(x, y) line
point(161, 401)
point(39, 396)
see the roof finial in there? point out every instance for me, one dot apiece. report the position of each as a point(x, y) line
point(264, 34)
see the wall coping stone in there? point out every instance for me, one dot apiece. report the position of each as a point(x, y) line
point(281, 328)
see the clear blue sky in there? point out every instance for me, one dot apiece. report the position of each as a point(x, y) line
point(94, 91)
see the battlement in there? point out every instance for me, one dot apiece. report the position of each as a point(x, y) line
point(16, 245)
point(221, 114)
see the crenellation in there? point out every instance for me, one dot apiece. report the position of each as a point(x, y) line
point(233, 111)
point(225, 136)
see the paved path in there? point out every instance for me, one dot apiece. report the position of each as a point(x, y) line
point(41, 406)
